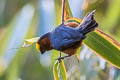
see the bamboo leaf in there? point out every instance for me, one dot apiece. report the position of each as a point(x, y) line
point(55, 72)
point(62, 70)
point(67, 11)
point(15, 62)
point(58, 12)
point(59, 71)
point(102, 44)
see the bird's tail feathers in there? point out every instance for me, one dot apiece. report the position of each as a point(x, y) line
point(88, 23)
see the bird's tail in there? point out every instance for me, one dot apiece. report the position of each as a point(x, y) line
point(88, 23)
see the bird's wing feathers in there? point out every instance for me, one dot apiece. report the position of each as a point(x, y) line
point(65, 37)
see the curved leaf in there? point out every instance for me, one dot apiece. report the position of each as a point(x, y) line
point(58, 12)
point(55, 72)
point(102, 44)
point(62, 70)
point(59, 71)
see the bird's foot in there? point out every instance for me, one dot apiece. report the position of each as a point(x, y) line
point(59, 58)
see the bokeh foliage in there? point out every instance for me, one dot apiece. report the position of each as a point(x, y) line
point(27, 63)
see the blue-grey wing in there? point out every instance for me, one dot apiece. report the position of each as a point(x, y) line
point(65, 36)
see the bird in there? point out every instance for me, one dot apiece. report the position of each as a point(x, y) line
point(67, 37)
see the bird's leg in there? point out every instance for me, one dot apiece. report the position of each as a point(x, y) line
point(59, 58)
point(60, 54)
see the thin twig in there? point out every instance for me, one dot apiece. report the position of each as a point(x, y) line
point(62, 17)
point(60, 54)
point(63, 7)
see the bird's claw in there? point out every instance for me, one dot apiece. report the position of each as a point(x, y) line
point(59, 58)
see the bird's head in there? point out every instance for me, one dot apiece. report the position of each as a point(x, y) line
point(43, 44)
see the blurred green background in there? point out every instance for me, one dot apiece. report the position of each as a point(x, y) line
point(24, 19)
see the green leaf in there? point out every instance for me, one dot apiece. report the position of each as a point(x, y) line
point(102, 44)
point(55, 72)
point(58, 8)
point(15, 63)
point(59, 71)
point(62, 70)
point(111, 17)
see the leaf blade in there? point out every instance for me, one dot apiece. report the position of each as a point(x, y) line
point(62, 70)
point(101, 44)
point(55, 72)
point(58, 11)
point(103, 47)
point(104, 51)
point(111, 56)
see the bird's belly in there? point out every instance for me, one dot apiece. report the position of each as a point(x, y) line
point(69, 51)
point(73, 49)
